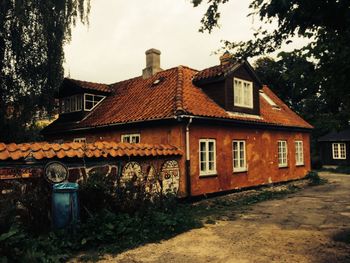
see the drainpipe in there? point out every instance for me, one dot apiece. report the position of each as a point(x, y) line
point(188, 158)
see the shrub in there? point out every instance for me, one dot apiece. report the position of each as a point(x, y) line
point(115, 216)
point(314, 178)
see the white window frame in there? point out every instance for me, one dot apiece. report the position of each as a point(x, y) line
point(67, 104)
point(339, 151)
point(95, 103)
point(128, 138)
point(299, 153)
point(80, 140)
point(207, 171)
point(239, 154)
point(240, 91)
point(282, 153)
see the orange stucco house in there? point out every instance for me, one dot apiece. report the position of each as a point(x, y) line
point(234, 131)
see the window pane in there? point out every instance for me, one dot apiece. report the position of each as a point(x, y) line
point(126, 139)
point(203, 157)
point(211, 146)
point(79, 102)
point(98, 98)
point(89, 97)
point(211, 156)
point(89, 105)
point(203, 168)
point(211, 166)
point(202, 146)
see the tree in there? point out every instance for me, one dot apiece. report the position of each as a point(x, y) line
point(32, 36)
point(325, 23)
point(292, 78)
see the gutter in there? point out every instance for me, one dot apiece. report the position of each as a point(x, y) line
point(109, 125)
point(188, 158)
point(246, 122)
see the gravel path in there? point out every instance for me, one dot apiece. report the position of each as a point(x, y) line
point(312, 225)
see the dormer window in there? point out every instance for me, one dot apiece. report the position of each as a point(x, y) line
point(80, 102)
point(91, 101)
point(72, 104)
point(243, 93)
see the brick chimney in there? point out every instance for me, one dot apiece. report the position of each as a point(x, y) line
point(225, 58)
point(152, 63)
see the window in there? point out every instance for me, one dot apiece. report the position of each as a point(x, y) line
point(282, 154)
point(131, 138)
point(299, 153)
point(268, 99)
point(91, 101)
point(207, 157)
point(81, 140)
point(339, 150)
point(239, 156)
point(71, 104)
point(243, 93)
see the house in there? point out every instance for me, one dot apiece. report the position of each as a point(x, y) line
point(233, 130)
point(334, 148)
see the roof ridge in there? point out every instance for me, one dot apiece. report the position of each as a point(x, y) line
point(79, 80)
point(179, 91)
point(187, 67)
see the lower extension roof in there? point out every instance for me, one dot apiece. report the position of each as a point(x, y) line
point(334, 136)
point(44, 150)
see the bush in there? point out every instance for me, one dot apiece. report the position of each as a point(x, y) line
point(115, 217)
point(314, 178)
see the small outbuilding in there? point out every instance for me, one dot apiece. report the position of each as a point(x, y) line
point(334, 148)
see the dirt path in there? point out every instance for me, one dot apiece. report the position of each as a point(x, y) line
point(308, 226)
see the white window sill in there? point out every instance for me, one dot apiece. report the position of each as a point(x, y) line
point(240, 170)
point(211, 174)
point(299, 164)
point(339, 158)
point(283, 166)
point(243, 106)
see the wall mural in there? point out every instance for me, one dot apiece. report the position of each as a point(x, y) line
point(132, 172)
point(170, 177)
point(152, 185)
point(164, 180)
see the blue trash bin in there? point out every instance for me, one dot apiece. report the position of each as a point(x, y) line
point(65, 206)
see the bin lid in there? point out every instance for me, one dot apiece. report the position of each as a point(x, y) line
point(69, 187)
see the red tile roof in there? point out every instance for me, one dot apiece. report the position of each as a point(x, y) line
point(90, 85)
point(42, 150)
point(141, 99)
point(216, 71)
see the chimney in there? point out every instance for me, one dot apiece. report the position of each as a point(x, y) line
point(225, 58)
point(152, 63)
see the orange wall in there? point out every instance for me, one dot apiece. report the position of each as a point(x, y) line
point(261, 152)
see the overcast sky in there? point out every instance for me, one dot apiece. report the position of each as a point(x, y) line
point(112, 48)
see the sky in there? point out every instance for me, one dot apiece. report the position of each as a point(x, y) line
point(112, 48)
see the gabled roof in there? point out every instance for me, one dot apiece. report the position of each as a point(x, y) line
point(222, 70)
point(166, 95)
point(343, 135)
point(44, 150)
point(90, 85)
point(215, 71)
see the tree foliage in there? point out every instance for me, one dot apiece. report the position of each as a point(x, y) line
point(32, 36)
point(325, 24)
point(291, 77)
